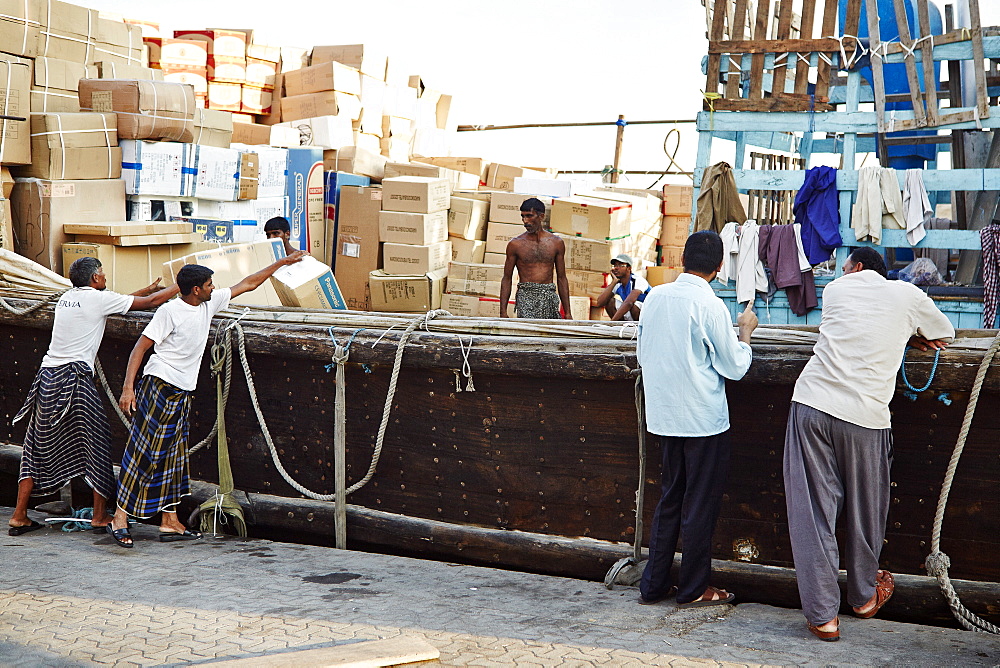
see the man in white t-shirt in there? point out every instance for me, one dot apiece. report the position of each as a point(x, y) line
point(838, 445)
point(154, 474)
point(623, 299)
point(68, 433)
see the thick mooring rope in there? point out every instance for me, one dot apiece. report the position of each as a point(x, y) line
point(937, 562)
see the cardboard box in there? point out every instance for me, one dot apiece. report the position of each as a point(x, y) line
point(73, 146)
point(420, 229)
point(304, 190)
point(217, 176)
point(396, 149)
point(232, 264)
point(128, 269)
point(227, 69)
point(359, 56)
point(661, 275)
point(313, 105)
point(415, 194)
point(467, 218)
point(185, 52)
point(357, 252)
point(266, 208)
point(244, 218)
point(213, 128)
point(506, 207)
point(672, 256)
point(41, 208)
point(593, 254)
point(293, 58)
point(20, 27)
point(323, 77)
point(480, 280)
point(370, 143)
point(15, 149)
point(579, 308)
point(54, 85)
point(406, 294)
point(127, 228)
point(372, 105)
point(677, 200)
point(355, 160)
point(495, 258)
point(590, 217)
point(333, 182)
point(465, 250)
point(475, 166)
point(674, 230)
point(456, 179)
point(271, 165)
point(465, 305)
point(251, 133)
point(260, 73)
point(501, 177)
point(400, 101)
point(326, 132)
point(107, 69)
point(67, 32)
point(140, 239)
point(548, 187)
point(194, 76)
point(246, 177)
point(590, 283)
point(407, 259)
point(489, 307)
point(308, 284)
point(6, 227)
point(160, 208)
point(145, 109)
point(642, 248)
point(256, 100)
point(231, 43)
point(499, 234)
point(157, 168)
point(117, 41)
point(225, 96)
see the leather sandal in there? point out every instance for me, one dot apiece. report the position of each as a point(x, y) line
point(718, 597)
point(120, 536)
point(827, 636)
point(885, 584)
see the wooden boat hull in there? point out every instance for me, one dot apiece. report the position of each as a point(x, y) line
point(547, 443)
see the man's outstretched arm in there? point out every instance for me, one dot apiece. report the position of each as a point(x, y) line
point(254, 281)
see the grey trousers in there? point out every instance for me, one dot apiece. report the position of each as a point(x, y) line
point(834, 469)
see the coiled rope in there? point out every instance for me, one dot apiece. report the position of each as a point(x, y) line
point(54, 297)
point(937, 562)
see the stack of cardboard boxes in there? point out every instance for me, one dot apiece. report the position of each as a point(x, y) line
point(674, 231)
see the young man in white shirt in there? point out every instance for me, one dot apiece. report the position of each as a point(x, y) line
point(687, 349)
point(838, 444)
point(154, 474)
point(68, 433)
point(623, 298)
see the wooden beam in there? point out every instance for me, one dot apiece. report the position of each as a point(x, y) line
point(737, 29)
point(875, 42)
point(757, 61)
point(752, 46)
point(916, 98)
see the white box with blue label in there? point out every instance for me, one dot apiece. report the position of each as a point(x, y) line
point(157, 168)
point(308, 283)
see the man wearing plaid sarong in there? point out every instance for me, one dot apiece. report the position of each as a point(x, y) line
point(68, 434)
point(154, 474)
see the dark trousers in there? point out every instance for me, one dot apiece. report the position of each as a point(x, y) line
point(694, 477)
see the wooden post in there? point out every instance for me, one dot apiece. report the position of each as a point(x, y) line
point(618, 149)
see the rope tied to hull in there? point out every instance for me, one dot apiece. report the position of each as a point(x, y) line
point(937, 562)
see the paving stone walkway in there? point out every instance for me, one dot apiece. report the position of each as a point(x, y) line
point(76, 599)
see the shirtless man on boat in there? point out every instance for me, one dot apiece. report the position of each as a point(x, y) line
point(534, 253)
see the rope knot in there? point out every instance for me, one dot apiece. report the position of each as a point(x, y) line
point(937, 564)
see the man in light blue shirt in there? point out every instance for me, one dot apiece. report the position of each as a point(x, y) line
point(687, 349)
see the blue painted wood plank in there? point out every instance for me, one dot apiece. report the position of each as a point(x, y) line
point(952, 239)
point(829, 121)
point(934, 179)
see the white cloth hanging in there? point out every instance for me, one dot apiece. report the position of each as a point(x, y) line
point(730, 251)
point(916, 205)
point(879, 204)
point(803, 260)
point(750, 276)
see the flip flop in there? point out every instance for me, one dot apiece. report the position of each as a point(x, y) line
point(18, 531)
point(885, 585)
point(173, 536)
point(725, 597)
point(828, 636)
point(120, 536)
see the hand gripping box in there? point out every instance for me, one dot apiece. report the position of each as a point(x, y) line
point(232, 264)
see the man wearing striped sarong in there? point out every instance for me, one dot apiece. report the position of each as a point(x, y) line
point(68, 434)
point(154, 474)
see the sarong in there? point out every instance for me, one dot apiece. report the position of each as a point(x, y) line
point(154, 474)
point(68, 433)
point(536, 301)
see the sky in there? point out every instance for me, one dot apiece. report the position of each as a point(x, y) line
point(510, 62)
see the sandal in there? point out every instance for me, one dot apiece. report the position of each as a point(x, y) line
point(724, 597)
point(885, 584)
point(18, 531)
point(828, 636)
point(120, 536)
point(171, 536)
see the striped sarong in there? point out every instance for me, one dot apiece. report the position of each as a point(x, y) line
point(537, 301)
point(68, 433)
point(154, 474)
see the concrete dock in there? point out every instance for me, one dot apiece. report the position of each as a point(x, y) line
point(77, 599)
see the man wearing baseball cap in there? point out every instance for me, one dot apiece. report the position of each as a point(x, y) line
point(623, 299)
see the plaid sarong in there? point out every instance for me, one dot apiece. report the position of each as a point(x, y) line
point(536, 301)
point(68, 433)
point(154, 474)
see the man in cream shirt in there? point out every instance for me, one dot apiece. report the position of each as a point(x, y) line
point(838, 444)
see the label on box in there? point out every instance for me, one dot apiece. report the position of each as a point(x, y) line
point(57, 189)
point(580, 224)
point(377, 195)
point(351, 250)
point(101, 101)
